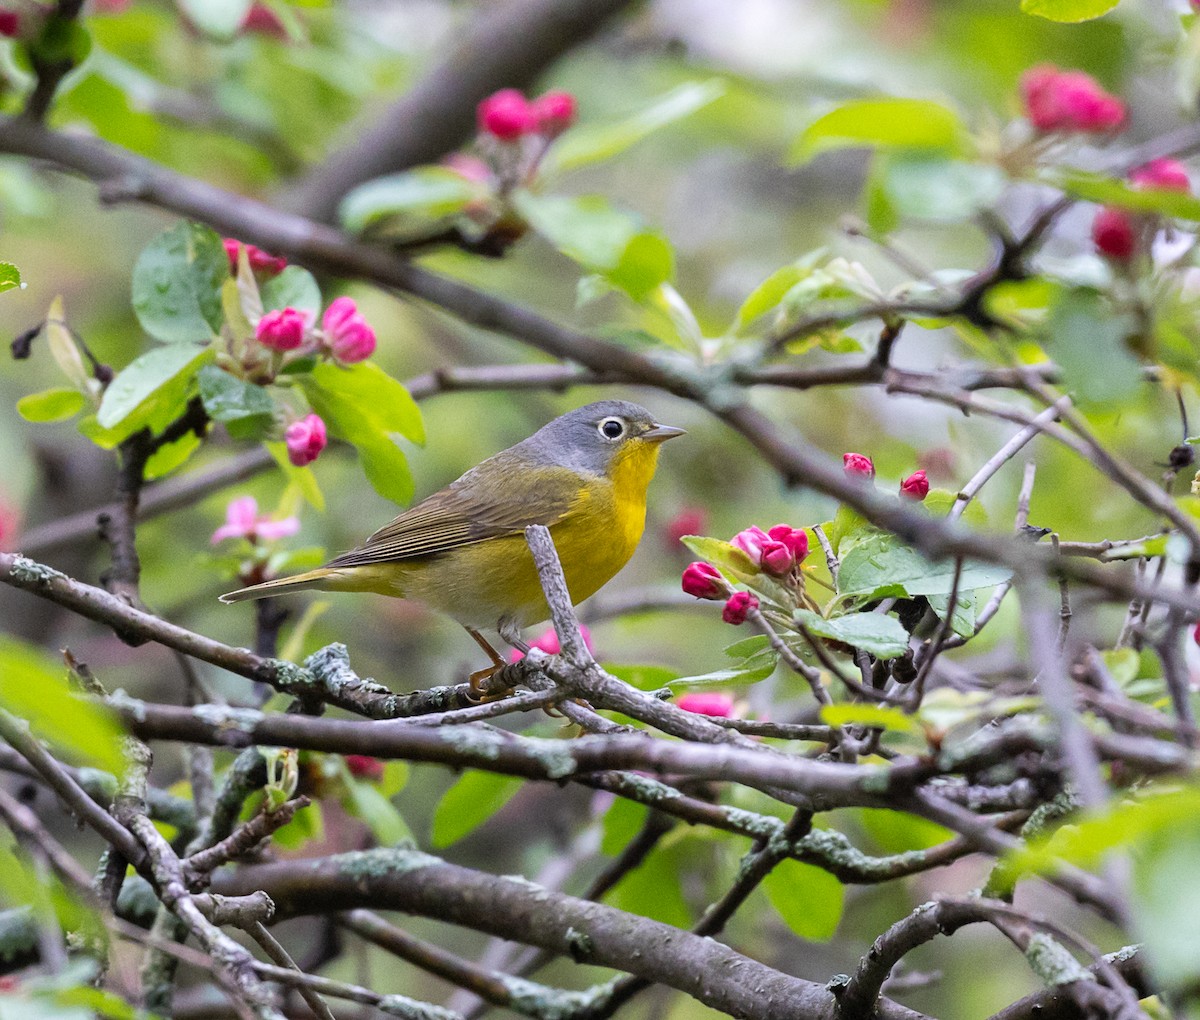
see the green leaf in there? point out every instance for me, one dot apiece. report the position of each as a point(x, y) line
point(881, 566)
point(56, 404)
point(939, 190)
point(897, 832)
point(177, 284)
point(963, 621)
point(1109, 191)
point(33, 686)
point(607, 241)
point(172, 456)
point(751, 671)
point(1087, 339)
point(295, 287)
point(747, 647)
point(10, 276)
point(1068, 10)
point(414, 203)
point(470, 802)
point(622, 821)
point(585, 144)
point(368, 802)
point(157, 381)
point(65, 350)
point(808, 898)
point(366, 407)
point(869, 715)
point(220, 19)
point(877, 633)
point(644, 678)
point(652, 889)
point(227, 398)
point(768, 294)
point(1166, 896)
point(882, 123)
point(725, 556)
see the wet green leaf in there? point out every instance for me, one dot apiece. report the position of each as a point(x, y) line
point(877, 633)
point(228, 398)
point(157, 382)
point(880, 566)
point(295, 287)
point(177, 283)
point(410, 204)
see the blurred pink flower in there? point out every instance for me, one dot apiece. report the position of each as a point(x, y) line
point(548, 643)
point(242, 520)
point(707, 703)
point(1057, 100)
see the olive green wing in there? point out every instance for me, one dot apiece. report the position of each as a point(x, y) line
point(480, 505)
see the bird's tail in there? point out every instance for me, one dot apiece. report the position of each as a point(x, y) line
point(281, 586)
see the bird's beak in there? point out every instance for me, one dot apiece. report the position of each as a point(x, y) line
point(661, 433)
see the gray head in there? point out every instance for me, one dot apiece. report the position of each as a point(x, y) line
point(588, 438)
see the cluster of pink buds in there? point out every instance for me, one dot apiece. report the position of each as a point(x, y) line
point(345, 334)
point(776, 552)
point(1069, 102)
point(508, 116)
point(1115, 231)
point(261, 262)
point(859, 467)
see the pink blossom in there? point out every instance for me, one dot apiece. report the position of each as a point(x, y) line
point(548, 643)
point(796, 540)
point(751, 541)
point(364, 766)
point(704, 581)
point(10, 525)
point(242, 520)
point(469, 168)
point(263, 20)
point(1114, 233)
point(738, 607)
point(1069, 101)
point(506, 115)
point(305, 439)
point(347, 333)
point(554, 112)
point(915, 486)
point(261, 262)
point(1163, 174)
point(282, 329)
point(856, 465)
point(10, 23)
point(707, 703)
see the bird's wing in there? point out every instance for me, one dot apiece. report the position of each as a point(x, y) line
point(478, 506)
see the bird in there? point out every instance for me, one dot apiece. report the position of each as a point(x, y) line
point(462, 550)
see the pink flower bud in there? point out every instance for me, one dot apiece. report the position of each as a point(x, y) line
point(10, 23)
point(689, 521)
point(777, 558)
point(554, 112)
point(857, 466)
point(1114, 234)
point(751, 542)
point(707, 703)
point(738, 607)
point(264, 21)
point(282, 329)
point(548, 643)
point(347, 333)
point(1164, 174)
point(704, 581)
point(506, 115)
point(915, 486)
point(1196, 629)
point(363, 766)
point(1069, 101)
point(796, 539)
point(260, 261)
point(305, 439)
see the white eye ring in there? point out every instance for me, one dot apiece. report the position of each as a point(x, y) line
point(605, 428)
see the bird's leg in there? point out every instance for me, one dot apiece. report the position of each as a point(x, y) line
point(480, 677)
point(511, 633)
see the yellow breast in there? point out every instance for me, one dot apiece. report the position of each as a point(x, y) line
point(481, 583)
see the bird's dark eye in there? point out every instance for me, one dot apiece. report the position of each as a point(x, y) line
point(611, 428)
